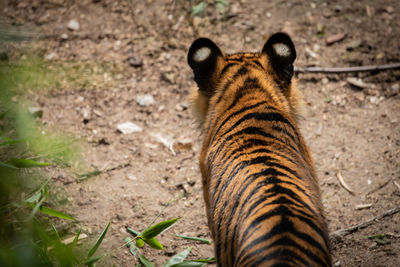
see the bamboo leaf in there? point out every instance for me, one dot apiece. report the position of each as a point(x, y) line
point(189, 264)
point(203, 240)
point(145, 261)
point(27, 163)
point(158, 228)
point(34, 198)
point(131, 246)
point(139, 243)
point(208, 260)
point(133, 232)
point(89, 262)
point(55, 213)
point(154, 243)
point(98, 242)
point(178, 258)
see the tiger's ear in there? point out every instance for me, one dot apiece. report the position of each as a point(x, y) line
point(204, 57)
point(281, 54)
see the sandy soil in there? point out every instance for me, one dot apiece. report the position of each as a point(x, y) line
point(136, 48)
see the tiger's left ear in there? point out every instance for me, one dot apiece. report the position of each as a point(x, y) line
point(205, 59)
point(281, 54)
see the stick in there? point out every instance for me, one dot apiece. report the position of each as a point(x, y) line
point(379, 187)
point(346, 231)
point(343, 184)
point(347, 69)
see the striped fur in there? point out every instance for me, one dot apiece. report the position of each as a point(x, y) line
point(259, 182)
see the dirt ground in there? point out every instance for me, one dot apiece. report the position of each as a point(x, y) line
point(137, 48)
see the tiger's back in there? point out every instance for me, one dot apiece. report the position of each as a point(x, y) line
point(259, 182)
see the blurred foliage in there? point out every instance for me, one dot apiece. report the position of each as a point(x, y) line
point(28, 235)
point(199, 9)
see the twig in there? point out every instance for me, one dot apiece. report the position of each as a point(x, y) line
point(397, 185)
point(343, 184)
point(382, 185)
point(347, 69)
point(88, 175)
point(346, 231)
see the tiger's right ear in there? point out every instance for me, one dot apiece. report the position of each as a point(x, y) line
point(204, 57)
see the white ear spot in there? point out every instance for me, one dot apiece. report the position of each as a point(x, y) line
point(281, 49)
point(202, 54)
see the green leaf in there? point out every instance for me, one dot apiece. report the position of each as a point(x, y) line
point(75, 239)
point(189, 264)
point(89, 262)
point(208, 260)
point(8, 166)
point(55, 230)
point(144, 261)
point(154, 243)
point(139, 243)
point(98, 242)
point(203, 240)
point(178, 258)
point(27, 163)
point(55, 213)
point(34, 198)
point(35, 209)
point(133, 232)
point(131, 246)
point(158, 229)
point(198, 10)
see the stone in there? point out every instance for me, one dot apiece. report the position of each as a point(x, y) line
point(73, 25)
point(129, 127)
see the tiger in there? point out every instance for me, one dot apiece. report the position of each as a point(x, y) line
point(261, 192)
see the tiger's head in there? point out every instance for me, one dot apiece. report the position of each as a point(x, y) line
point(273, 66)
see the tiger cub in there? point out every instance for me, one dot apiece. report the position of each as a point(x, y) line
point(259, 182)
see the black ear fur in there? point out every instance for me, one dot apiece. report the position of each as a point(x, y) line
point(203, 68)
point(281, 59)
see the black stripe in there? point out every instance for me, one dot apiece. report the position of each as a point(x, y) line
point(230, 116)
point(227, 66)
point(269, 116)
point(286, 242)
point(281, 253)
point(252, 177)
point(240, 72)
point(270, 180)
point(253, 131)
point(286, 226)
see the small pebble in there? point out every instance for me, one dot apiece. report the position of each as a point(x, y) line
point(129, 127)
point(73, 25)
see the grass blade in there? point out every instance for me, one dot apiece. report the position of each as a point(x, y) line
point(203, 240)
point(98, 242)
point(35, 209)
point(27, 163)
point(89, 262)
point(8, 166)
point(158, 228)
point(178, 258)
point(75, 239)
point(145, 261)
point(55, 213)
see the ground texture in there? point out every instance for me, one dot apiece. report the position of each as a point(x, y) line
point(126, 49)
